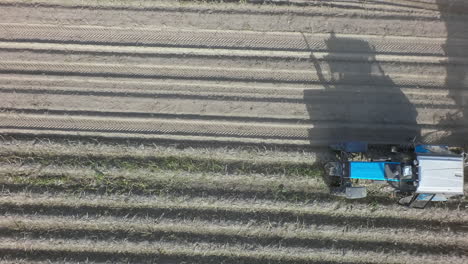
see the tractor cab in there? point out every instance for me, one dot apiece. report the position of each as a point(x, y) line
point(426, 172)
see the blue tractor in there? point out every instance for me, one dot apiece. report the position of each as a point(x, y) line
point(423, 173)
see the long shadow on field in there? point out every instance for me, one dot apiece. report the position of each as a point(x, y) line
point(236, 214)
point(359, 101)
point(455, 15)
point(223, 238)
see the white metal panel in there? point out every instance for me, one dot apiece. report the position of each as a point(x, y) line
point(439, 174)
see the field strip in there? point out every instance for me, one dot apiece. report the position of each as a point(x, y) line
point(429, 137)
point(241, 211)
point(324, 67)
point(406, 4)
point(153, 126)
point(192, 232)
point(299, 185)
point(260, 155)
point(185, 130)
point(192, 162)
point(6, 260)
point(190, 178)
point(207, 73)
point(158, 171)
point(319, 108)
point(142, 125)
point(171, 6)
point(270, 41)
point(9, 82)
point(216, 141)
point(374, 5)
point(200, 253)
point(436, 217)
point(268, 230)
point(185, 127)
point(161, 94)
point(205, 52)
point(252, 17)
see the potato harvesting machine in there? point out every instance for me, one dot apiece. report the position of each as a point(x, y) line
point(419, 174)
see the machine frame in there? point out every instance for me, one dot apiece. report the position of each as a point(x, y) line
point(423, 173)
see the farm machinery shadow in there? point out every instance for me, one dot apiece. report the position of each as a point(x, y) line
point(456, 80)
point(363, 102)
point(366, 105)
point(456, 73)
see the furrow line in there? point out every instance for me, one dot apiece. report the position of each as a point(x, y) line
point(143, 38)
point(24, 82)
point(56, 228)
point(248, 17)
point(394, 5)
point(205, 53)
point(179, 140)
point(238, 130)
point(38, 146)
point(332, 67)
point(153, 126)
point(162, 6)
point(241, 212)
point(321, 107)
point(214, 74)
point(322, 132)
point(171, 176)
point(123, 252)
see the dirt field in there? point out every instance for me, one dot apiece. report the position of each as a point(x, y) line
point(194, 132)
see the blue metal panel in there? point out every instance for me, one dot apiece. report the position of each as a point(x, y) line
point(439, 149)
point(369, 170)
point(421, 149)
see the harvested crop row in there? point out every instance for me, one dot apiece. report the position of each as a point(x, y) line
point(41, 146)
point(165, 139)
point(153, 181)
point(151, 54)
point(190, 162)
point(78, 168)
point(191, 232)
point(201, 253)
point(215, 58)
point(267, 41)
point(212, 73)
point(240, 211)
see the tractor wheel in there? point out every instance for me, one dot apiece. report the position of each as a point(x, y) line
point(334, 181)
